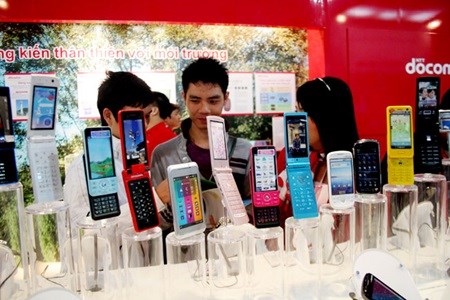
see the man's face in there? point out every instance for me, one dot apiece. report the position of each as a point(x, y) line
point(204, 100)
point(114, 125)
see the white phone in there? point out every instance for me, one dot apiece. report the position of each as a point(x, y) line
point(186, 199)
point(341, 183)
point(41, 141)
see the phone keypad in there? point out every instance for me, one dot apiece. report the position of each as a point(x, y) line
point(429, 154)
point(303, 198)
point(266, 216)
point(45, 174)
point(400, 171)
point(232, 198)
point(143, 203)
point(106, 205)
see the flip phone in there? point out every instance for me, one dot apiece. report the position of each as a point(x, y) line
point(135, 174)
point(340, 179)
point(366, 155)
point(298, 168)
point(101, 176)
point(266, 210)
point(400, 145)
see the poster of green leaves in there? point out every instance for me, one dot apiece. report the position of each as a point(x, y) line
point(69, 49)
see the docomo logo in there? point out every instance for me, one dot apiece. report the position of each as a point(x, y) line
point(418, 65)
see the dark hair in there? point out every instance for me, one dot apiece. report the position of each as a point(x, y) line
point(164, 105)
point(121, 89)
point(329, 102)
point(206, 70)
point(445, 101)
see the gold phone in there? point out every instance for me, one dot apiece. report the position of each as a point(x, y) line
point(400, 145)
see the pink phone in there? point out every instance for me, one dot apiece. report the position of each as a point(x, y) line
point(266, 211)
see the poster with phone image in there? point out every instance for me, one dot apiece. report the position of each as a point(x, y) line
point(400, 124)
point(44, 107)
point(134, 140)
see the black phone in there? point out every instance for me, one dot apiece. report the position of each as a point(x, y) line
point(100, 171)
point(6, 122)
point(366, 156)
point(374, 289)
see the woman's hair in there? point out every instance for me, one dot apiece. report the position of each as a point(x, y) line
point(329, 102)
point(445, 102)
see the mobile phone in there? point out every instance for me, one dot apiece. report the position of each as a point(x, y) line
point(135, 175)
point(41, 141)
point(186, 199)
point(427, 100)
point(6, 122)
point(8, 167)
point(427, 158)
point(444, 120)
point(366, 160)
point(400, 145)
point(373, 288)
point(298, 168)
point(42, 114)
point(266, 210)
point(132, 134)
point(100, 171)
point(340, 179)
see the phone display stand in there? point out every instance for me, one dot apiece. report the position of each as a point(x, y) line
point(98, 256)
point(446, 168)
point(402, 239)
point(142, 249)
point(302, 252)
point(47, 264)
point(432, 224)
point(12, 194)
point(186, 261)
point(371, 223)
point(388, 268)
point(227, 263)
point(446, 172)
point(265, 257)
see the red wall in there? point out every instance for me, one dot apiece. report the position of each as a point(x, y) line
point(370, 50)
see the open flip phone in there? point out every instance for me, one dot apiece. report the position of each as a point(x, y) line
point(41, 141)
point(266, 209)
point(8, 168)
point(400, 145)
point(427, 156)
point(100, 171)
point(298, 168)
point(135, 174)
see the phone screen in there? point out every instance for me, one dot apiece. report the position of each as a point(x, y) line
point(44, 106)
point(134, 141)
point(100, 154)
point(367, 167)
point(188, 200)
point(5, 114)
point(341, 176)
point(296, 133)
point(265, 177)
point(218, 140)
point(444, 120)
point(400, 123)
